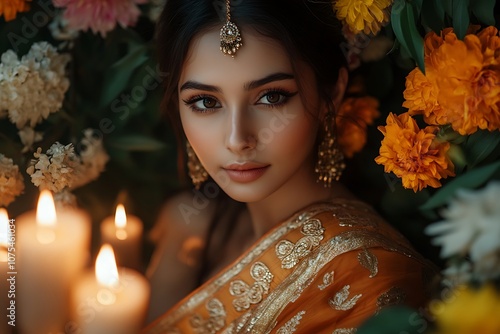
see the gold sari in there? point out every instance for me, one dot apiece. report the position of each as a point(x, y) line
point(325, 270)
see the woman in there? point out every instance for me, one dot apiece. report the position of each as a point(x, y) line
point(277, 244)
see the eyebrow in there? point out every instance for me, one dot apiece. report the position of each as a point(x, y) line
point(248, 86)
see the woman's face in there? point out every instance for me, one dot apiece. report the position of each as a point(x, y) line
point(245, 116)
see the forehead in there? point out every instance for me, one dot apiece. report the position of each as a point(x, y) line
point(258, 57)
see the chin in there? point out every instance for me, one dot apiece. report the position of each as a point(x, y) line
point(246, 193)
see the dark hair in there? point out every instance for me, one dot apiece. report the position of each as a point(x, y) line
point(307, 29)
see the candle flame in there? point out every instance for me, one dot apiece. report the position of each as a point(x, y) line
point(46, 218)
point(4, 228)
point(120, 216)
point(46, 210)
point(120, 222)
point(106, 271)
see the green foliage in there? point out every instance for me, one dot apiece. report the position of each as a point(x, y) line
point(403, 20)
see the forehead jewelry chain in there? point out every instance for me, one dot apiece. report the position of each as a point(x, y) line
point(230, 37)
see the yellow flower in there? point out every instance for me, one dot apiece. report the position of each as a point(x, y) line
point(10, 8)
point(413, 154)
point(354, 115)
point(468, 311)
point(363, 15)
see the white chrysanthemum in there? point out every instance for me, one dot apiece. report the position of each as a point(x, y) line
point(54, 170)
point(471, 227)
point(457, 274)
point(33, 87)
point(11, 181)
point(93, 159)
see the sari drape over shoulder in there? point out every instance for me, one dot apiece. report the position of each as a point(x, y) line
point(325, 270)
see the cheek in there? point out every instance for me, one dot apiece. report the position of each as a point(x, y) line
point(297, 137)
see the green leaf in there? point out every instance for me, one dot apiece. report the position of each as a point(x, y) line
point(135, 143)
point(417, 7)
point(484, 11)
point(433, 15)
point(405, 29)
point(479, 146)
point(472, 179)
point(394, 320)
point(117, 76)
point(448, 6)
point(461, 18)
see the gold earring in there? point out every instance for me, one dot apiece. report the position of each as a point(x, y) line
point(196, 171)
point(330, 163)
point(230, 37)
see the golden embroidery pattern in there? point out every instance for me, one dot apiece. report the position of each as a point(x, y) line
point(393, 296)
point(246, 294)
point(215, 322)
point(291, 325)
point(368, 260)
point(354, 215)
point(340, 301)
point(290, 253)
point(344, 331)
point(263, 316)
point(327, 280)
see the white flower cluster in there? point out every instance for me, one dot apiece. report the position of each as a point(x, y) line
point(60, 168)
point(11, 181)
point(32, 87)
point(93, 159)
point(54, 170)
point(471, 231)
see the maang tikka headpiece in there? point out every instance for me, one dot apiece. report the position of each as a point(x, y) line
point(230, 37)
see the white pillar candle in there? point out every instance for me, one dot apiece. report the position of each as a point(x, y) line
point(124, 233)
point(53, 249)
point(6, 294)
point(110, 301)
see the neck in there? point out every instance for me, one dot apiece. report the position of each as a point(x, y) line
point(289, 199)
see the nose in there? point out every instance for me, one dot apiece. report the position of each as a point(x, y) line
point(240, 136)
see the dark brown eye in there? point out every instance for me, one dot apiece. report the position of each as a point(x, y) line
point(209, 103)
point(273, 97)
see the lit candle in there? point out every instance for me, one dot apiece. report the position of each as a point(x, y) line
point(53, 249)
point(4, 269)
point(124, 233)
point(109, 301)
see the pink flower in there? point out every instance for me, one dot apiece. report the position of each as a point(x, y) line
point(100, 15)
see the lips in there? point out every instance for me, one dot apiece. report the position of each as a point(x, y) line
point(245, 172)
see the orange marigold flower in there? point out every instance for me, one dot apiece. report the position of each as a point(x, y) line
point(413, 154)
point(461, 85)
point(469, 93)
point(433, 41)
point(421, 95)
point(354, 115)
point(490, 43)
point(10, 8)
